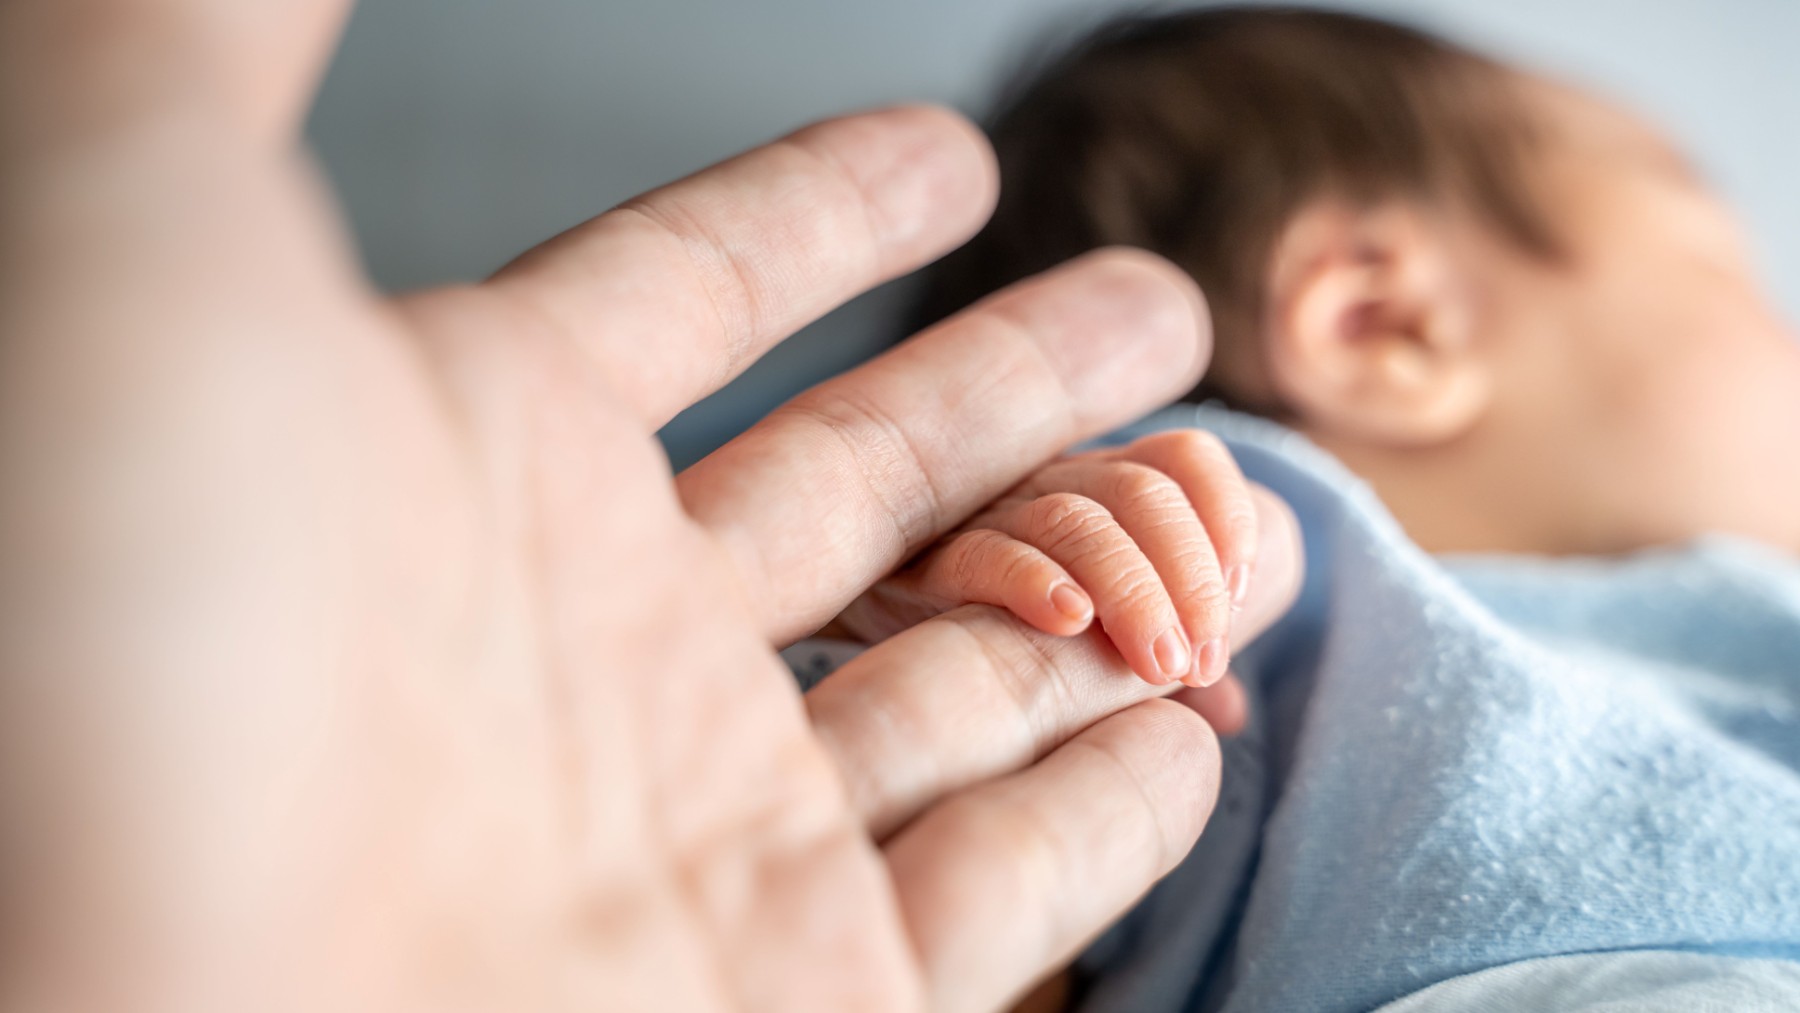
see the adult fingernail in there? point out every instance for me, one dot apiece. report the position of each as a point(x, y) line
point(1068, 599)
point(1214, 657)
point(1173, 655)
point(1238, 583)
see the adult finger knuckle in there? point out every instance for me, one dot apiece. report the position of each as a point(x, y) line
point(1031, 677)
point(895, 466)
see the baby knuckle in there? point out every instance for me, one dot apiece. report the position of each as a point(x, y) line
point(1138, 591)
point(1193, 563)
point(1065, 518)
point(972, 556)
point(1139, 488)
point(1020, 565)
point(1211, 594)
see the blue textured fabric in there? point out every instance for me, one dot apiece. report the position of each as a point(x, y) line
point(1455, 764)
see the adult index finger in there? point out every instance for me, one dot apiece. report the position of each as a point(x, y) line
point(678, 291)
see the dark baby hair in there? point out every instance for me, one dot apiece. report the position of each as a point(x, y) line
point(1199, 134)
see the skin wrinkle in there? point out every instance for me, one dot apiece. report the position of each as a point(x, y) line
point(748, 304)
point(1209, 589)
point(1131, 593)
point(1191, 457)
point(1198, 443)
point(1146, 491)
point(752, 840)
point(1065, 520)
point(1025, 681)
point(736, 342)
point(1085, 534)
point(893, 819)
point(599, 900)
point(1010, 561)
point(968, 565)
point(1000, 313)
point(1017, 566)
point(1082, 529)
point(1061, 689)
point(709, 260)
point(512, 287)
point(875, 224)
point(842, 422)
point(1142, 488)
point(875, 609)
point(1007, 326)
point(750, 556)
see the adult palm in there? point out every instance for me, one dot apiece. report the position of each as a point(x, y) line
point(364, 653)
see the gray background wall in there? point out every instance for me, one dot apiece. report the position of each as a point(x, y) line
point(459, 132)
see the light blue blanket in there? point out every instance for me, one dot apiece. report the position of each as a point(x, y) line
point(1460, 764)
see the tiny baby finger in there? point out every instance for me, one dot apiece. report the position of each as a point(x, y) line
point(1134, 609)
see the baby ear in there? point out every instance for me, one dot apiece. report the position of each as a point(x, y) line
point(1371, 325)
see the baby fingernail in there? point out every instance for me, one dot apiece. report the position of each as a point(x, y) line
point(1068, 599)
point(1238, 583)
point(1173, 656)
point(1194, 675)
point(1214, 657)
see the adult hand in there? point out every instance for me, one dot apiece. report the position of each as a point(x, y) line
point(363, 654)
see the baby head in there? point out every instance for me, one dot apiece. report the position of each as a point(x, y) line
point(1509, 305)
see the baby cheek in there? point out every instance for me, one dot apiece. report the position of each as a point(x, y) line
point(1714, 415)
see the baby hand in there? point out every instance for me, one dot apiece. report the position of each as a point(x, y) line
point(1155, 539)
